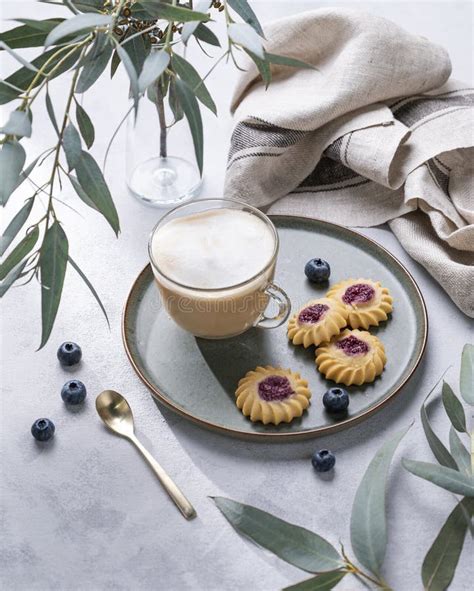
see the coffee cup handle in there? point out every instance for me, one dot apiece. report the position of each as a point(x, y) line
point(284, 306)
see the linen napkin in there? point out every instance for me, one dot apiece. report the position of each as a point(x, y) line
point(376, 134)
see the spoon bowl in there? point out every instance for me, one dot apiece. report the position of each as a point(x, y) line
point(115, 412)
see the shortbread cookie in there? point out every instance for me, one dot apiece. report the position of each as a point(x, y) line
point(353, 357)
point(366, 301)
point(272, 395)
point(317, 321)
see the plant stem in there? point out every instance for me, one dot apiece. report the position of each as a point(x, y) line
point(160, 107)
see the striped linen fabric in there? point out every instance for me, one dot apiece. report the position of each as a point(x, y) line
point(377, 133)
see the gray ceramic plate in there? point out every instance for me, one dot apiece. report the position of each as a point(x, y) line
point(197, 377)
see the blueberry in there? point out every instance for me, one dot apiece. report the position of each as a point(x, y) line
point(336, 400)
point(42, 429)
point(323, 460)
point(73, 392)
point(69, 354)
point(317, 270)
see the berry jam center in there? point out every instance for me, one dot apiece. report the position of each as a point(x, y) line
point(312, 314)
point(353, 346)
point(359, 293)
point(275, 388)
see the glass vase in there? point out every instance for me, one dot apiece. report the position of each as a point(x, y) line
point(161, 170)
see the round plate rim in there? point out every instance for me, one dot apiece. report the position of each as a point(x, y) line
point(296, 435)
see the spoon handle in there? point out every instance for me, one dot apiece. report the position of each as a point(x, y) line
point(170, 487)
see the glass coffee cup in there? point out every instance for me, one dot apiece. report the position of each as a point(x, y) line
point(187, 250)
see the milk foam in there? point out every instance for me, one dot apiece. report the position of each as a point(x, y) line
point(213, 249)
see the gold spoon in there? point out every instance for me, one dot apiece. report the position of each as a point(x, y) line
point(116, 413)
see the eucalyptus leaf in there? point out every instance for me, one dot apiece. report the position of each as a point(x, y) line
point(190, 27)
point(93, 183)
point(437, 447)
point(467, 374)
point(72, 145)
point(459, 452)
point(21, 250)
point(368, 519)
point(452, 480)
point(18, 124)
point(454, 408)
point(155, 64)
point(114, 63)
point(76, 24)
point(29, 34)
point(190, 107)
point(204, 33)
point(88, 5)
point(263, 67)
point(132, 74)
point(76, 267)
point(12, 159)
point(25, 77)
point(93, 68)
point(50, 111)
point(291, 62)
point(15, 226)
point(81, 193)
point(24, 174)
point(322, 582)
point(187, 73)
point(52, 262)
point(296, 545)
point(146, 9)
point(244, 35)
point(18, 57)
point(442, 558)
point(243, 9)
point(11, 278)
point(138, 50)
point(86, 126)
point(174, 103)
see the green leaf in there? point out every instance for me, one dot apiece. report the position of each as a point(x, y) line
point(452, 480)
point(88, 5)
point(132, 73)
point(114, 64)
point(26, 173)
point(93, 183)
point(242, 8)
point(50, 110)
point(21, 250)
point(31, 34)
point(12, 159)
point(174, 103)
point(81, 193)
point(467, 374)
point(244, 35)
point(85, 125)
point(18, 124)
point(52, 263)
point(368, 519)
point(11, 278)
point(297, 545)
point(76, 24)
point(18, 57)
point(155, 64)
point(322, 582)
point(191, 109)
point(150, 8)
point(76, 267)
point(72, 145)
point(138, 49)
point(282, 60)
point(454, 409)
point(189, 75)
point(204, 33)
point(190, 27)
point(263, 67)
point(93, 68)
point(439, 450)
point(23, 77)
point(15, 226)
point(459, 452)
point(442, 558)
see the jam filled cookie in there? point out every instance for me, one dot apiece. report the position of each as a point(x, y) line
point(317, 322)
point(353, 357)
point(272, 395)
point(366, 301)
